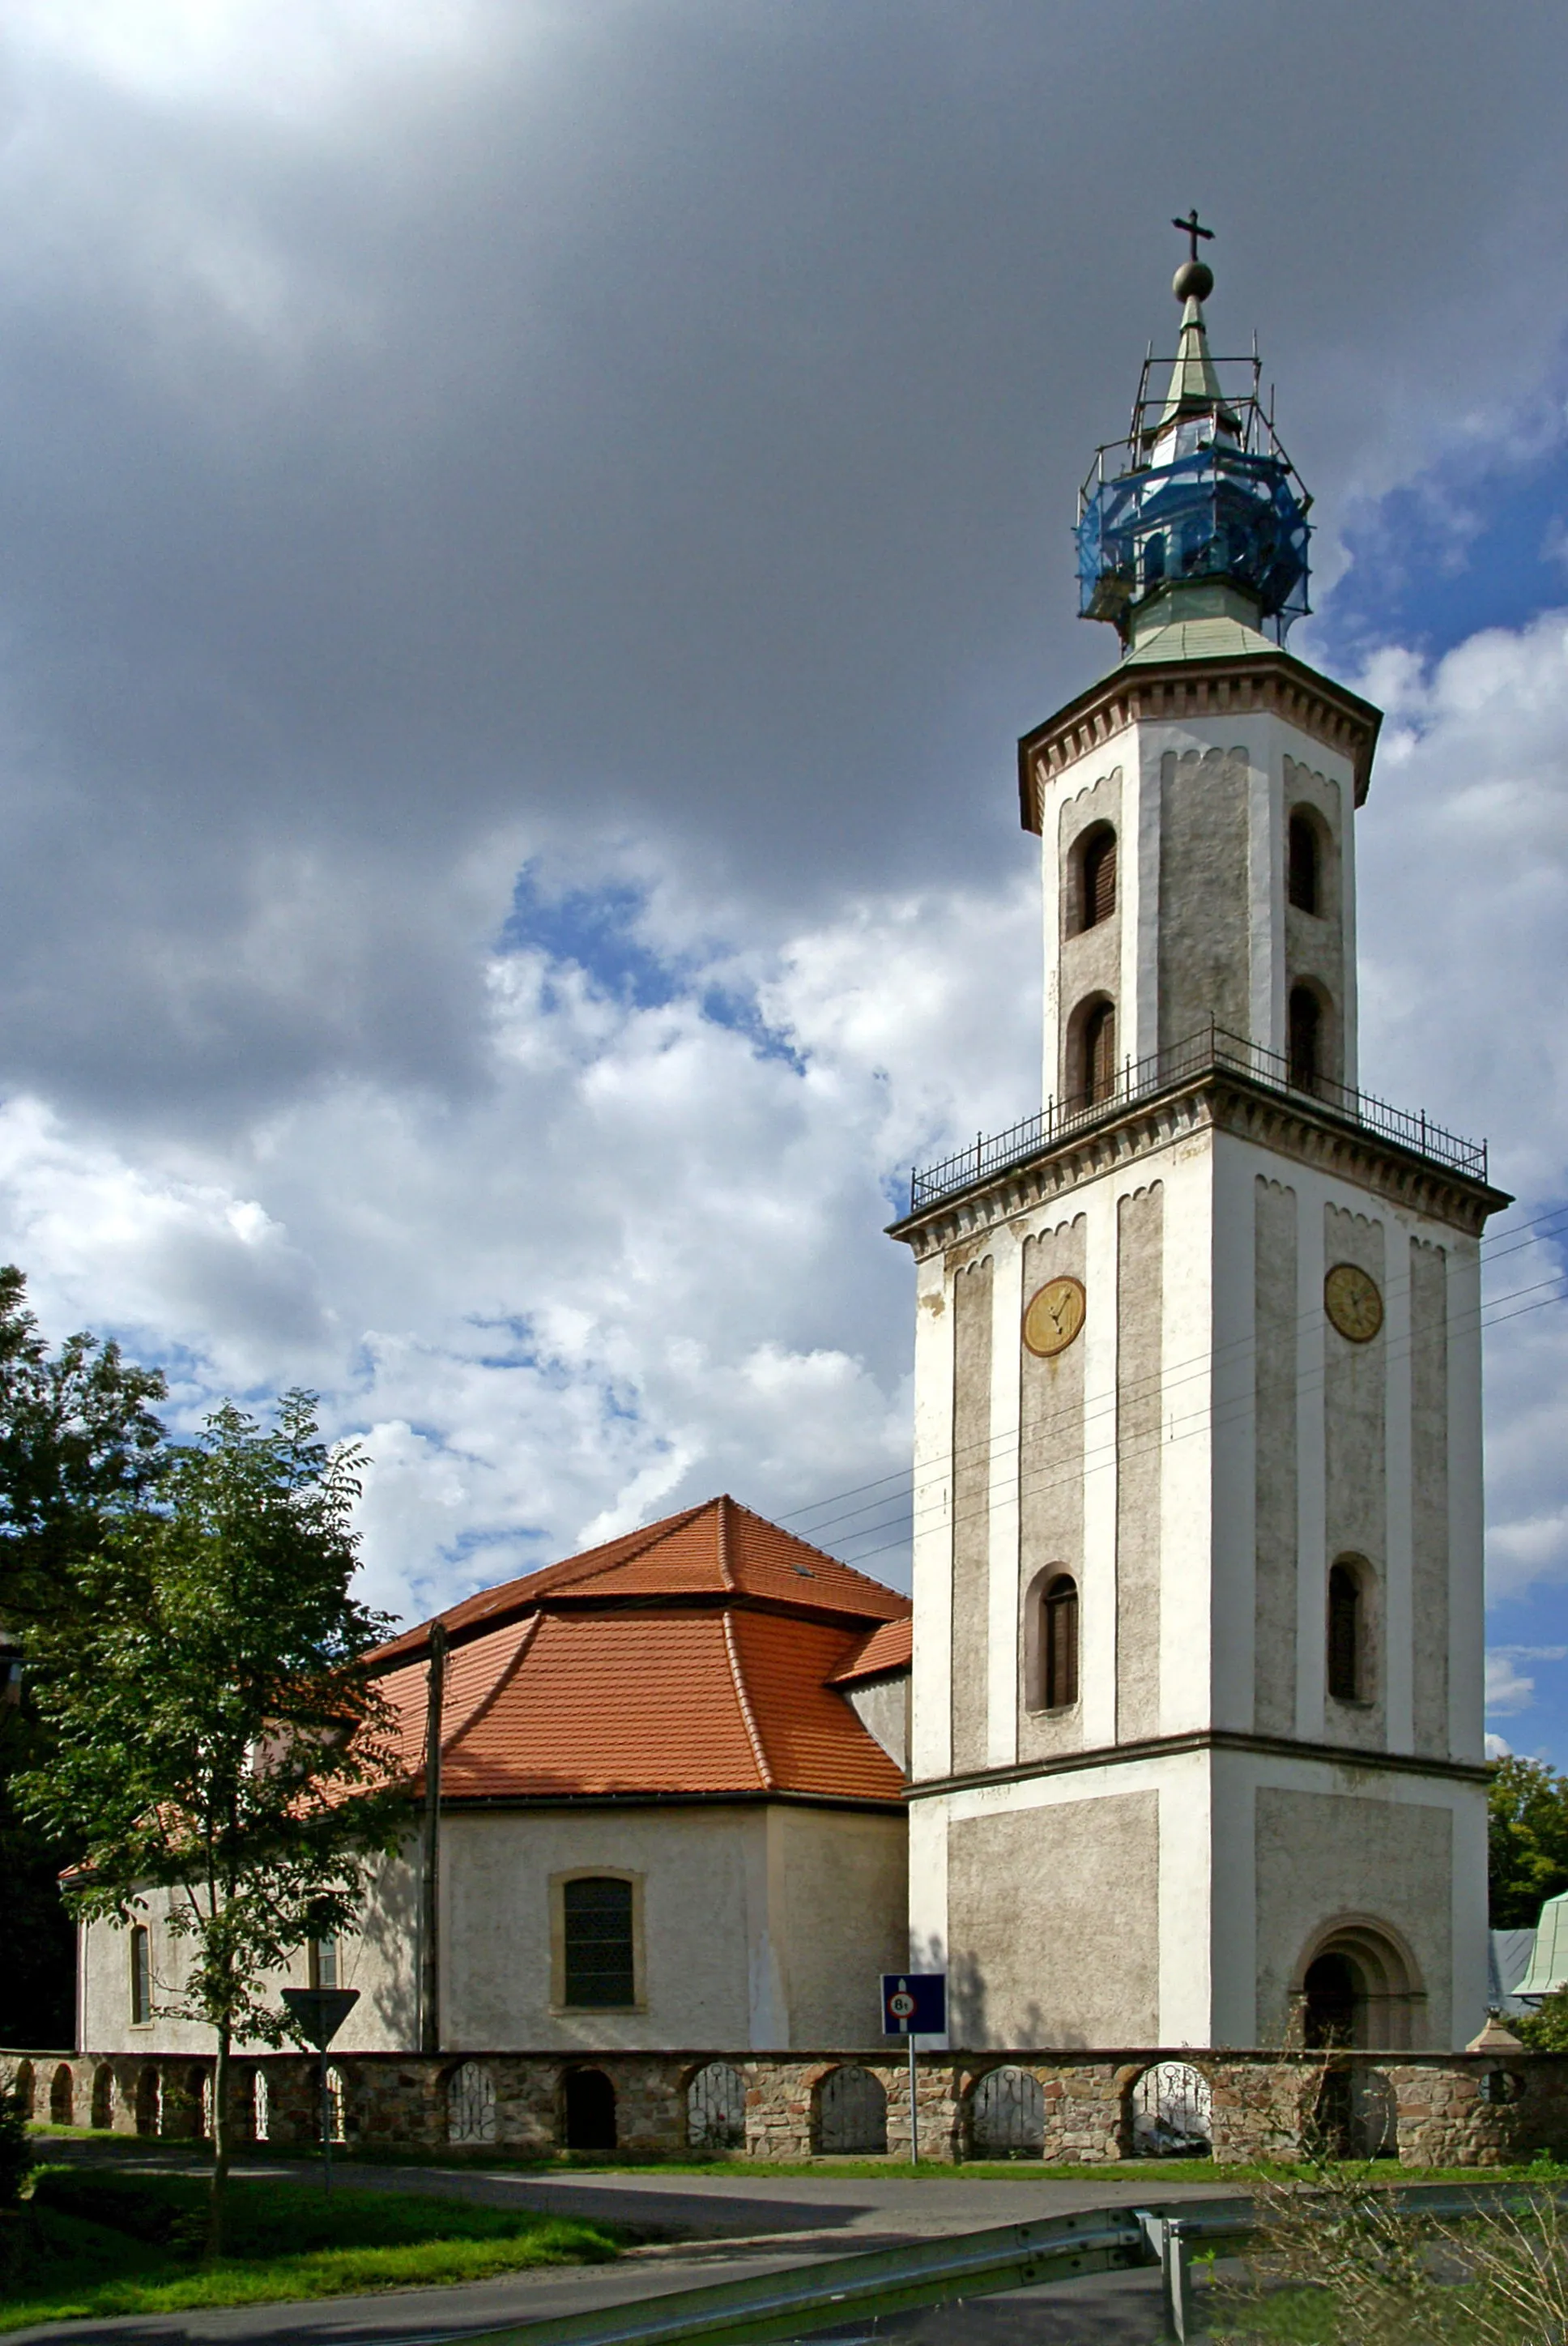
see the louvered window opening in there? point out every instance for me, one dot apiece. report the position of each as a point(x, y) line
point(1100, 1054)
point(1344, 1634)
point(1062, 1644)
point(599, 1958)
point(1303, 863)
point(1098, 884)
point(1306, 1020)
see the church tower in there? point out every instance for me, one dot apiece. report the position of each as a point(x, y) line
point(1197, 1753)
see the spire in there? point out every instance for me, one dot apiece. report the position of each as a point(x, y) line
point(1198, 513)
point(1193, 383)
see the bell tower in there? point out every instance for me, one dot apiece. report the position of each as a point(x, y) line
point(1197, 1753)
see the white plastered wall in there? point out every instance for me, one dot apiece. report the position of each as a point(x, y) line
point(1140, 752)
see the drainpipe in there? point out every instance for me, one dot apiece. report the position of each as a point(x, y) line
point(430, 1869)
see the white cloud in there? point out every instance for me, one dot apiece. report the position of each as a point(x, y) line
point(250, 54)
point(641, 1260)
point(1507, 1688)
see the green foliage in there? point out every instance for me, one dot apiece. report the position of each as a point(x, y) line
point(109, 2244)
point(214, 1737)
point(16, 2160)
point(79, 1448)
point(1527, 1838)
point(214, 1734)
point(1544, 2030)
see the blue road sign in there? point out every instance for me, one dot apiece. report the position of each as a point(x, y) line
point(914, 2004)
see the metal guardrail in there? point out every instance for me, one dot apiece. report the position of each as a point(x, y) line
point(839, 2290)
point(1210, 1050)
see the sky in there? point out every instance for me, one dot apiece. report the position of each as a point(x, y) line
point(528, 535)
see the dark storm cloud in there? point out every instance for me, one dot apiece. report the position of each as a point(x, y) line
point(666, 428)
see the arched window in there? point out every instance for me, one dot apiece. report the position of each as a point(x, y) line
point(140, 1974)
point(471, 2104)
point(1059, 1643)
point(1344, 1638)
point(716, 2108)
point(102, 2111)
point(1007, 2116)
point(598, 1953)
point(1304, 865)
point(851, 2112)
point(590, 2111)
point(1095, 1056)
point(1305, 1025)
point(1170, 2112)
point(62, 2098)
point(1096, 876)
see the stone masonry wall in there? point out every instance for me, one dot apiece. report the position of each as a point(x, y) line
point(1435, 2109)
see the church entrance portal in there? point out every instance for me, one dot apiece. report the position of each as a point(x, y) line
point(1359, 1989)
point(590, 2110)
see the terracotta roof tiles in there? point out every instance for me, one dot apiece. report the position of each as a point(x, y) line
point(716, 1678)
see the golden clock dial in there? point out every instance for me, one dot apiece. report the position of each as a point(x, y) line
point(1351, 1299)
point(1054, 1316)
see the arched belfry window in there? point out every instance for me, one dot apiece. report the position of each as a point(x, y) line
point(1059, 1642)
point(1095, 1075)
point(1096, 876)
point(1346, 1634)
point(1305, 1038)
point(1305, 864)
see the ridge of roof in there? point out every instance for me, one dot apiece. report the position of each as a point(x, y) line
point(887, 1649)
point(749, 1559)
point(492, 1693)
point(744, 1698)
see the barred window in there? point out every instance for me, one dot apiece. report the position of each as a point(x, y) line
point(598, 1956)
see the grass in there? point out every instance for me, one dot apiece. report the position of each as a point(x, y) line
point(91, 2243)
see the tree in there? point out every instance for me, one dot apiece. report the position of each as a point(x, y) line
point(1527, 1838)
point(215, 1735)
point(79, 1445)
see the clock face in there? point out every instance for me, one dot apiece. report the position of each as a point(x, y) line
point(1053, 1317)
point(1351, 1299)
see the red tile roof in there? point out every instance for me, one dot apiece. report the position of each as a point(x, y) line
point(889, 1647)
point(695, 1658)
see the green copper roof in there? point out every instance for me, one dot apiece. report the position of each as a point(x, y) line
point(1549, 1964)
point(1194, 383)
point(1195, 619)
point(1193, 640)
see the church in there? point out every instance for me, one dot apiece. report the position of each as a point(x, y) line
point(1179, 1743)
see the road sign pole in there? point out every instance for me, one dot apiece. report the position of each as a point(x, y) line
point(914, 2107)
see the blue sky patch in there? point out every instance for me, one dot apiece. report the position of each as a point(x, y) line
point(1480, 540)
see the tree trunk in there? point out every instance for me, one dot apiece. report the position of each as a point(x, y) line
point(217, 2204)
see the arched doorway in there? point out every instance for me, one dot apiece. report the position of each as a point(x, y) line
point(590, 2110)
point(1359, 1987)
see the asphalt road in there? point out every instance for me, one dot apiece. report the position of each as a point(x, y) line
point(701, 2229)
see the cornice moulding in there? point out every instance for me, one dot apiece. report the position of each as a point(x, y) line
point(1267, 683)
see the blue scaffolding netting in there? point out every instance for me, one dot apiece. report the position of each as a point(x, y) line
point(1222, 514)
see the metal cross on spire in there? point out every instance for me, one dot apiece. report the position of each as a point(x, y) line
point(1192, 231)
